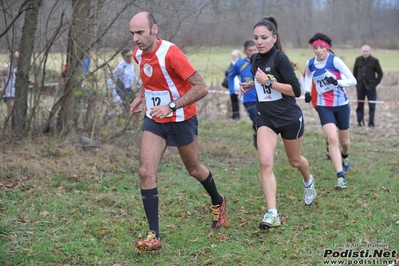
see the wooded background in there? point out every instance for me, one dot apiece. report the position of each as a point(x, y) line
point(71, 29)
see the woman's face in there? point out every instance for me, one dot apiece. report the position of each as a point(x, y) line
point(321, 52)
point(264, 39)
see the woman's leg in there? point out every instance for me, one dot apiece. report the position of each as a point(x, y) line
point(267, 142)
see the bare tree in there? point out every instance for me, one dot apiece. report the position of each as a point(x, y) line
point(22, 9)
point(24, 66)
point(66, 30)
point(77, 47)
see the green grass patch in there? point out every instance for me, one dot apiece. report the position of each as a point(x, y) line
point(87, 209)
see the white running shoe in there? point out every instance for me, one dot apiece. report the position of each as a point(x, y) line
point(270, 220)
point(309, 193)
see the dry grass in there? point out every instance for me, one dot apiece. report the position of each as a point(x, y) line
point(40, 157)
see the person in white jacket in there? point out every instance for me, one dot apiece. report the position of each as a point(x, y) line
point(124, 80)
point(7, 82)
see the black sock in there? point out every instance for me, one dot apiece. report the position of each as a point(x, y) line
point(150, 202)
point(210, 187)
point(340, 174)
point(344, 155)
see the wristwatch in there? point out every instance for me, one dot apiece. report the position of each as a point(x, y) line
point(172, 105)
point(270, 81)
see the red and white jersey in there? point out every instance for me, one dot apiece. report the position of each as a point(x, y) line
point(328, 94)
point(313, 91)
point(164, 73)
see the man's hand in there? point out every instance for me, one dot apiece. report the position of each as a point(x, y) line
point(332, 80)
point(135, 105)
point(308, 97)
point(246, 86)
point(160, 111)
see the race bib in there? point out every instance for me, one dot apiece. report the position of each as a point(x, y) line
point(156, 98)
point(267, 93)
point(322, 85)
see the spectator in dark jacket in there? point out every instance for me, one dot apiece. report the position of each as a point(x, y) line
point(368, 73)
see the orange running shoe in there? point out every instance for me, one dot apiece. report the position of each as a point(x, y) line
point(219, 214)
point(150, 243)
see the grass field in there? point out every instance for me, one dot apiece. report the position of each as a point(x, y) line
point(62, 205)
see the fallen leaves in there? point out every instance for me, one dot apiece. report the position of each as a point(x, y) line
point(9, 183)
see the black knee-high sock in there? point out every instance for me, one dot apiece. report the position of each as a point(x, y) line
point(210, 187)
point(150, 202)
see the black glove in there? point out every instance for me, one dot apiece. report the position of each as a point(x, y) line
point(332, 80)
point(308, 98)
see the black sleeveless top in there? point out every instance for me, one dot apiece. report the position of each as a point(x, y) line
point(283, 111)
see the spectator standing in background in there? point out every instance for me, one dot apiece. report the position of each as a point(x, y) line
point(234, 90)
point(86, 63)
point(242, 69)
point(7, 83)
point(368, 73)
point(124, 80)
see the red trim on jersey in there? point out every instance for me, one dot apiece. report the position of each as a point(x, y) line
point(167, 68)
point(313, 91)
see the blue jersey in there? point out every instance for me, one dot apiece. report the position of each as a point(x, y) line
point(242, 68)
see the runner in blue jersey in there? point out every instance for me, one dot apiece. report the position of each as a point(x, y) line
point(242, 69)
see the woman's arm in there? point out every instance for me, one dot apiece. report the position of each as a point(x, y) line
point(343, 69)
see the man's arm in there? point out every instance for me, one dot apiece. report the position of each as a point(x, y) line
point(135, 105)
point(197, 92)
point(113, 78)
point(232, 74)
point(355, 69)
point(379, 72)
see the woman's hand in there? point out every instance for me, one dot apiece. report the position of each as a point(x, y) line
point(261, 77)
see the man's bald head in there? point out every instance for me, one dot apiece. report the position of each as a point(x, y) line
point(143, 17)
point(144, 30)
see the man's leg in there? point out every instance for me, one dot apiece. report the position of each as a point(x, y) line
point(235, 106)
point(372, 96)
point(361, 95)
point(190, 158)
point(151, 151)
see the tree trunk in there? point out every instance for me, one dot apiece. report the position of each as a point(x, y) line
point(78, 42)
point(24, 65)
